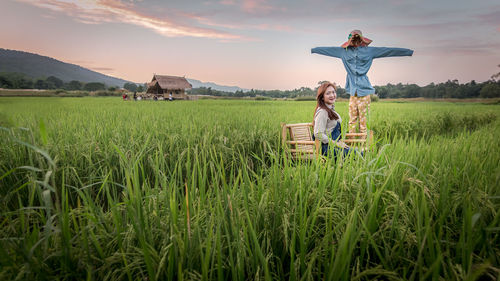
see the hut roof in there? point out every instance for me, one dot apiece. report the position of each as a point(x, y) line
point(170, 82)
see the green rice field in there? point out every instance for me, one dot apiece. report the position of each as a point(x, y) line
point(105, 189)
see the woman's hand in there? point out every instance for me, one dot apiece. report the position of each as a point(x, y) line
point(341, 144)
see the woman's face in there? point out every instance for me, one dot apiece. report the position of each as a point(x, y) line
point(330, 96)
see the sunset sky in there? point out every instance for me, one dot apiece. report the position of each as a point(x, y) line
point(260, 44)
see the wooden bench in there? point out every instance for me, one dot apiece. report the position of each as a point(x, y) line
point(297, 139)
point(360, 140)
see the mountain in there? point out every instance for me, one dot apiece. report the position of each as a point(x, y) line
point(199, 84)
point(36, 66)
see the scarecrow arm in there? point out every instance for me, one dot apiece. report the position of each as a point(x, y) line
point(381, 52)
point(335, 52)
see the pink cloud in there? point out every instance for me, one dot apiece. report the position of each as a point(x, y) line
point(227, 2)
point(102, 11)
point(264, 26)
point(256, 6)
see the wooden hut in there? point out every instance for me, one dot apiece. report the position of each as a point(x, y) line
point(163, 86)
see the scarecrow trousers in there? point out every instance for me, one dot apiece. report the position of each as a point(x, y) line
point(358, 110)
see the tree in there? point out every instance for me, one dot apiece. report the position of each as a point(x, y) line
point(74, 85)
point(55, 82)
point(140, 88)
point(40, 84)
point(412, 91)
point(495, 76)
point(94, 86)
point(381, 91)
point(4, 82)
point(12, 80)
point(490, 90)
point(130, 87)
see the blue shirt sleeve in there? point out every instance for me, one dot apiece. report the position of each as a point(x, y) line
point(381, 52)
point(336, 52)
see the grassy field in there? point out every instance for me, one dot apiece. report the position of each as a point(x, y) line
point(101, 189)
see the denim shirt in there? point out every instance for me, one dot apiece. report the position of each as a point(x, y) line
point(357, 62)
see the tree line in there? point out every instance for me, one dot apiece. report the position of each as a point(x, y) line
point(9, 80)
point(449, 89)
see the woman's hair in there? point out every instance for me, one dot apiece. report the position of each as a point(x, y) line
point(332, 115)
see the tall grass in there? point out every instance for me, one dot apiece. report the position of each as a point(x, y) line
point(109, 190)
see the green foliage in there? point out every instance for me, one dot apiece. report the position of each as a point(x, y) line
point(41, 84)
point(450, 89)
point(130, 87)
point(305, 98)
point(490, 90)
point(74, 85)
point(262, 98)
point(95, 86)
point(101, 189)
point(106, 93)
point(54, 82)
point(15, 81)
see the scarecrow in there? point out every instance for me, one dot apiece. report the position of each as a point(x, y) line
point(357, 58)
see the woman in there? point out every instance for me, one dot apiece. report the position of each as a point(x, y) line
point(327, 122)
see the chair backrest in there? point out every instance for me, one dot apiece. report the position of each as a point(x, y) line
point(297, 138)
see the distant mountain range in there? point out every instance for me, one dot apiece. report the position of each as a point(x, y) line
point(199, 84)
point(36, 66)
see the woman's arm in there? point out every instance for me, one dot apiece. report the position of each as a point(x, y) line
point(320, 126)
point(335, 52)
point(382, 52)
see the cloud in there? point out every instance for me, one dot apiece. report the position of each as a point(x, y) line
point(263, 26)
point(451, 48)
point(227, 2)
point(490, 18)
point(256, 7)
point(102, 11)
point(106, 69)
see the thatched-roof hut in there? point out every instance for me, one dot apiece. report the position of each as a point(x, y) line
point(163, 85)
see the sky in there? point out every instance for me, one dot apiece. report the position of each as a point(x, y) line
point(258, 44)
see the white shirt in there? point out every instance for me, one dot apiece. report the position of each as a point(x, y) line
point(323, 126)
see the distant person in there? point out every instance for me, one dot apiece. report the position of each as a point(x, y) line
point(135, 96)
point(357, 58)
point(170, 98)
point(125, 96)
point(327, 122)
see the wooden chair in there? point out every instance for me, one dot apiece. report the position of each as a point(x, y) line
point(297, 138)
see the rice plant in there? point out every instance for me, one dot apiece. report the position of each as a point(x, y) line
point(100, 189)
